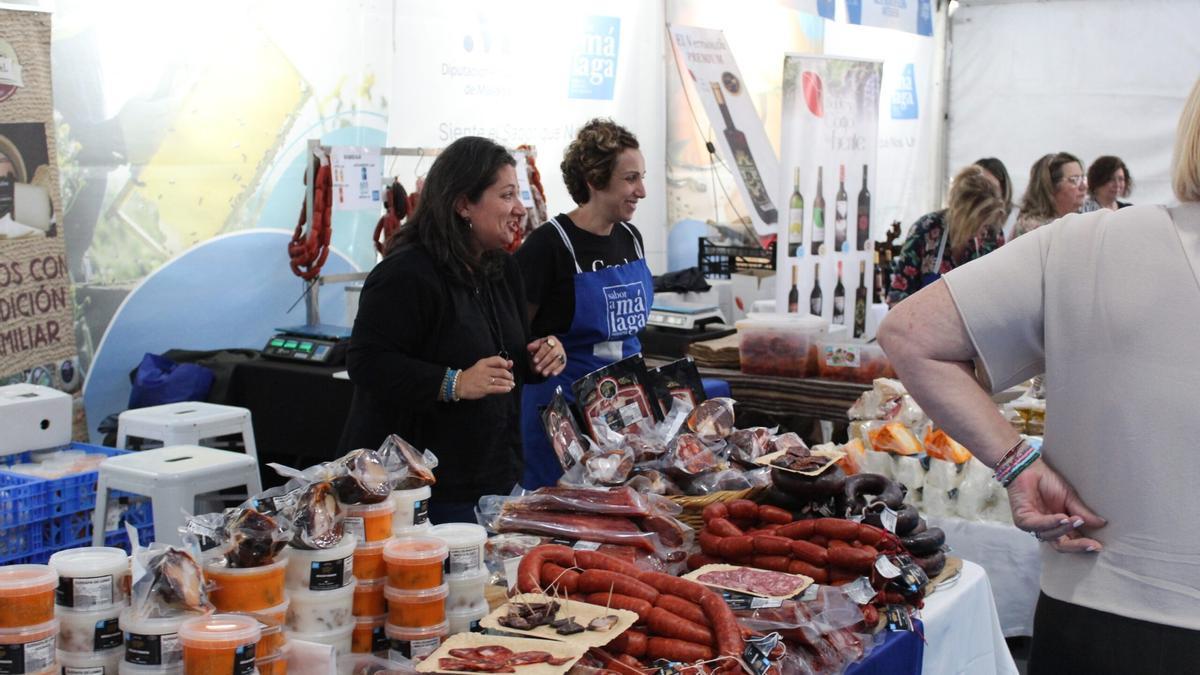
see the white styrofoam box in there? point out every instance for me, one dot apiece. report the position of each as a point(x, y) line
point(33, 417)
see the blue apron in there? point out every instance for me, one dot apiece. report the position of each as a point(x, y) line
point(612, 306)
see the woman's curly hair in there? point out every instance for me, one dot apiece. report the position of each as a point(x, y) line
point(592, 156)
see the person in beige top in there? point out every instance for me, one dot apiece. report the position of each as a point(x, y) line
point(1107, 304)
point(1057, 186)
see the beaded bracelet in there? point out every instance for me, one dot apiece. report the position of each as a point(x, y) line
point(454, 386)
point(444, 388)
point(1015, 461)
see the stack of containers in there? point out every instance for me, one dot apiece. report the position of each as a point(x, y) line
point(253, 594)
point(93, 590)
point(416, 593)
point(412, 511)
point(466, 575)
point(320, 586)
point(371, 525)
point(28, 629)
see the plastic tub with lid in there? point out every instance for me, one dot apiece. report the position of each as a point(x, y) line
point(107, 662)
point(416, 609)
point(245, 589)
point(467, 590)
point(369, 636)
point(368, 561)
point(850, 361)
point(90, 630)
point(368, 598)
point(466, 619)
point(779, 344)
point(415, 562)
point(405, 644)
point(27, 596)
point(91, 577)
point(220, 644)
point(341, 639)
point(30, 649)
point(412, 510)
point(369, 522)
point(465, 542)
point(321, 569)
point(321, 611)
point(154, 642)
point(272, 622)
point(128, 668)
point(273, 665)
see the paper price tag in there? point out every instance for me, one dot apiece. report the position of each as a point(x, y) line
point(860, 590)
point(886, 567)
point(888, 519)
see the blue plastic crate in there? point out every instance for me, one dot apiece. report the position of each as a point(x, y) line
point(22, 499)
point(18, 540)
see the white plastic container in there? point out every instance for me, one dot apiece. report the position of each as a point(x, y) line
point(412, 510)
point(341, 639)
point(779, 344)
point(94, 630)
point(466, 542)
point(369, 522)
point(466, 619)
point(91, 578)
point(107, 662)
point(467, 589)
point(32, 648)
point(153, 643)
point(321, 611)
point(321, 569)
point(405, 644)
point(128, 668)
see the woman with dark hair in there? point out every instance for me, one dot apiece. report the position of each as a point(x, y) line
point(1057, 186)
point(1108, 179)
point(576, 266)
point(998, 171)
point(441, 345)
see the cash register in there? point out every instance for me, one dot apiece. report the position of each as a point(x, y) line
point(675, 324)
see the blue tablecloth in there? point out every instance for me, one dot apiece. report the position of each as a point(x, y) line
point(900, 653)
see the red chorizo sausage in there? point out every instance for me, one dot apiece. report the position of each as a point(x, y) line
point(724, 625)
point(766, 544)
point(631, 642)
point(836, 528)
point(743, 509)
point(800, 529)
point(666, 584)
point(697, 560)
point(591, 560)
point(710, 544)
point(618, 601)
point(685, 609)
point(715, 510)
point(529, 571)
point(666, 624)
point(773, 515)
point(838, 543)
point(817, 574)
point(722, 527)
point(820, 540)
point(839, 576)
point(677, 650)
point(775, 563)
point(851, 559)
point(809, 552)
point(603, 581)
point(556, 575)
point(736, 547)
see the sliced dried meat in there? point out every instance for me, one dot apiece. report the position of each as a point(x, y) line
point(758, 582)
point(474, 666)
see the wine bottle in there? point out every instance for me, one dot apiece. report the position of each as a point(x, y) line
point(794, 294)
point(860, 301)
point(796, 218)
point(839, 211)
point(815, 303)
point(839, 298)
point(864, 213)
point(881, 276)
point(818, 215)
point(751, 178)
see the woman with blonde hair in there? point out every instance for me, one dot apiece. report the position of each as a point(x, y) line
point(1057, 186)
point(1118, 349)
point(940, 241)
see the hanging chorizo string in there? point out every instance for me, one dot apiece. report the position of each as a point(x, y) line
point(396, 202)
point(309, 251)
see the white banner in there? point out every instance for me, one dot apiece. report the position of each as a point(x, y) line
point(742, 143)
point(913, 16)
point(830, 129)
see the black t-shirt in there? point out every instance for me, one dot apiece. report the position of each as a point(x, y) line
point(549, 270)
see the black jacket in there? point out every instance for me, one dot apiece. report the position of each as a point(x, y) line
point(413, 322)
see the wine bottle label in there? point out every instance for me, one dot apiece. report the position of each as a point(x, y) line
point(815, 306)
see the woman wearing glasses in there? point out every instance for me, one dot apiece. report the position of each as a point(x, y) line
point(1108, 178)
point(1057, 186)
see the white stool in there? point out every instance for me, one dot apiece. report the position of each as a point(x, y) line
point(186, 423)
point(172, 477)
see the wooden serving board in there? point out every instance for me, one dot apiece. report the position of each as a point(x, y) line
point(583, 613)
point(469, 640)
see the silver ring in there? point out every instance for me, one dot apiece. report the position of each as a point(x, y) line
point(491, 381)
point(562, 358)
point(550, 341)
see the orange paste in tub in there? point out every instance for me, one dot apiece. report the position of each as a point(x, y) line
point(415, 562)
point(417, 609)
point(246, 589)
point(221, 644)
point(26, 595)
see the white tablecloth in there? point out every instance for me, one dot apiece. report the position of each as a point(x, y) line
point(962, 633)
point(1012, 562)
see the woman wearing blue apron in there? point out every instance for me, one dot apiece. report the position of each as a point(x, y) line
point(586, 278)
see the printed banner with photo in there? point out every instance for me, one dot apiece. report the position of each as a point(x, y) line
point(37, 334)
point(829, 141)
point(913, 16)
point(741, 140)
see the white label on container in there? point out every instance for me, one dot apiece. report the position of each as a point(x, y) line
point(413, 649)
point(31, 657)
point(587, 546)
point(172, 649)
point(68, 670)
point(84, 592)
point(331, 574)
point(420, 512)
point(843, 356)
point(463, 560)
point(888, 519)
point(353, 526)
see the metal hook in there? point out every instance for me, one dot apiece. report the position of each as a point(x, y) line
point(420, 158)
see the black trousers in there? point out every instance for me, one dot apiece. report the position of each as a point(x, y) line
point(1069, 639)
point(451, 512)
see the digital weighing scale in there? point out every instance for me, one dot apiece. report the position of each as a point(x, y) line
point(673, 325)
point(320, 343)
point(684, 316)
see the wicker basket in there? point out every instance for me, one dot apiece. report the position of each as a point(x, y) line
point(693, 505)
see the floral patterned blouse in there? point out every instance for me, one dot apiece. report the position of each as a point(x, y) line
point(920, 251)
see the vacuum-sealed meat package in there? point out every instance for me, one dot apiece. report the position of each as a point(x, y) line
point(617, 398)
point(678, 380)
